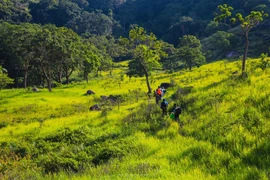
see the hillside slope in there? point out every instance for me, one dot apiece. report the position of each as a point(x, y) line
point(224, 134)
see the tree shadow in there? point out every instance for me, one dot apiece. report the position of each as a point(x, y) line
point(259, 157)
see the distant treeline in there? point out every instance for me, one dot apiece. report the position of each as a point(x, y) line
point(168, 20)
point(100, 23)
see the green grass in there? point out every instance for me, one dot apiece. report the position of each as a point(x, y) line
point(225, 132)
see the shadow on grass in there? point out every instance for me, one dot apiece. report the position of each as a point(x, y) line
point(259, 157)
point(148, 118)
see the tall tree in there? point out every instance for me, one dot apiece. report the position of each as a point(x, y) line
point(247, 23)
point(22, 38)
point(91, 58)
point(69, 52)
point(48, 45)
point(146, 53)
point(190, 51)
point(109, 49)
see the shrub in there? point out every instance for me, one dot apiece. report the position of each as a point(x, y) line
point(53, 163)
point(106, 154)
point(3, 124)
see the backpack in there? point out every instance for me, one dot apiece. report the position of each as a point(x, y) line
point(163, 105)
point(172, 116)
point(177, 110)
point(159, 91)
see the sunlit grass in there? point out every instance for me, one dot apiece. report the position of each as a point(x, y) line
point(225, 124)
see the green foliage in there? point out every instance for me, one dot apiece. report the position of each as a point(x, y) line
point(190, 51)
point(218, 45)
point(54, 136)
point(264, 63)
point(247, 23)
point(3, 124)
point(221, 134)
point(14, 11)
point(92, 58)
point(169, 20)
point(147, 119)
point(57, 52)
point(146, 53)
point(4, 79)
point(95, 23)
point(53, 164)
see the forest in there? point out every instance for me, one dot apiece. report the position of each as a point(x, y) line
point(101, 23)
point(78, 80)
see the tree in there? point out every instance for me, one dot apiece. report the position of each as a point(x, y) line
point(169, 62)
point(190, 51)
point(14, 11)
point(69, 52)
point(47, 47)
point(107, 49)
point(4, 79)
point(146, 53)
point(21, 41)
point(91, 23)
point(91, 58)
point(246, 23)
point(218, 44)
point(17, 43)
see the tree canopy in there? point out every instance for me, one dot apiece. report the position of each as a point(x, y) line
point(246, 23)
point(146, 52)
point(190, 51)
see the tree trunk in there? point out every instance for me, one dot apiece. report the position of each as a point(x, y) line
point(25, 74)
point(67, 74)
point(67, 78)
point(86, 76)
point(59, 77)
point(245, 54)
point(147, 82)
point(25, 78)
point(16, 79)
point(49, 83)
point(49, 80)
point(43, 81)
point(147, 79)
point(48, 77)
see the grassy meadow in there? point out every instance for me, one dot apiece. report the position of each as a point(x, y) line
point(224, 132)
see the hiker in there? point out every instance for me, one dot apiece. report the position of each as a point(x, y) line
point(157, 94)
point(164, 106)
point(157, 97)
point(177, 112)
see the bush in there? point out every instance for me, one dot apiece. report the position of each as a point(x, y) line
point(54, 163)
point(106, 154)
point(3, 124)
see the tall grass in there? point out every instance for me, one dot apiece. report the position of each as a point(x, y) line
point(224, 132)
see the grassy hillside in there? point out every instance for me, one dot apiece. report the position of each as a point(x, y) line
point(224, 134)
